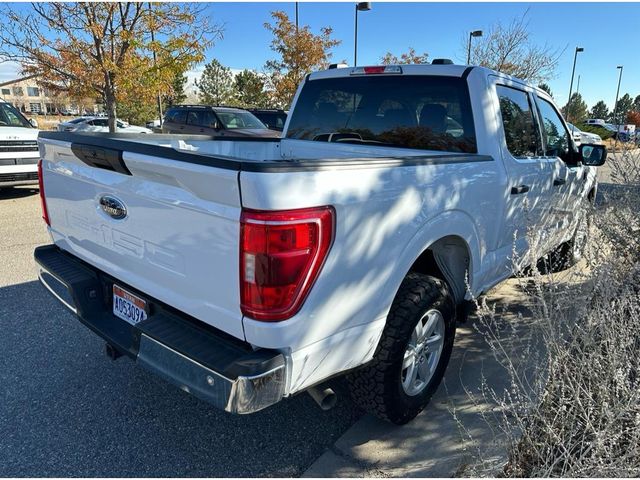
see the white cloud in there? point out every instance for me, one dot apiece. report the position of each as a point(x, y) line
point(9, 71)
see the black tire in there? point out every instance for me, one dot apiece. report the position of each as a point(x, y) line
point(571, 252)
point(377, 387)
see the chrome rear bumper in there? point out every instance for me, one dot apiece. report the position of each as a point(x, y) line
point(214, 367)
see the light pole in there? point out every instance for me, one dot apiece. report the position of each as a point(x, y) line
point(475, 33)
point(360, 7)
point(155, 66)
point(615, 108)
point(296, 17)
point(575, 56)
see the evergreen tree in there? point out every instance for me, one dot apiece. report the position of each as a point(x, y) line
point(600, 110)
point(177, 94)
point(546, 88)
point(576, 110)
point(216, 84)
point(249, 89)
point(625, 104)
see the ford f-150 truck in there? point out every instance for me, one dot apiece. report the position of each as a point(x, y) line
point(248, 270)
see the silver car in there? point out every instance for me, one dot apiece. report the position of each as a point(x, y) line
point(584, 137)
point(98, 124)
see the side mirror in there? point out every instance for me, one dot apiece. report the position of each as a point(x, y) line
point(215, 125)
point(33, 122)
point(593, 155)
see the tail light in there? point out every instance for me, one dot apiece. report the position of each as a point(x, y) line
point(43, 200)
point(281, 255)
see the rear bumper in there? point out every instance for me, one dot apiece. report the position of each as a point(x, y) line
point(206, 363)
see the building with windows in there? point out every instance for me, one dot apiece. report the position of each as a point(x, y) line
point(29, 97)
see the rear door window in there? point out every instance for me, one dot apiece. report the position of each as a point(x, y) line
point(201, 118)
point(408, 111)
point(176, 116)
point(518, 122)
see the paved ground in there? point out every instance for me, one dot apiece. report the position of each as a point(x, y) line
point(67, 410)
point(437, 444)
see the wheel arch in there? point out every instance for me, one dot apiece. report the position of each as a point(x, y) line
point(449, 259)
point(447, 247)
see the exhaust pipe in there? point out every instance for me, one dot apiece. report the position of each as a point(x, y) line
point(111, 351)
point(326, 398)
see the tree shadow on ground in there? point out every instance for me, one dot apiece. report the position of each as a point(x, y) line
point(68, 410)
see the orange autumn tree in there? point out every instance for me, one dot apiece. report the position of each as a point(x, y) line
point(633, 118)
point(300, 52)
point(106, 50)
point(409, 57)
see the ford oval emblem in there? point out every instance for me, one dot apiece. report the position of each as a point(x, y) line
point(113, 207)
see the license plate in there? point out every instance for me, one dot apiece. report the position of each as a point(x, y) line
point(128, 306)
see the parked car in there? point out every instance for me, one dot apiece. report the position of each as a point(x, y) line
point(214, 121)
point(272, 118)
point(98, 124)
point(575, 134)
point(18, 148)
point(580, 136)
point(625, 132)
point(248, 271)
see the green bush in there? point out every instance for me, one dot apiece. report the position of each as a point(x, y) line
point(603, 132)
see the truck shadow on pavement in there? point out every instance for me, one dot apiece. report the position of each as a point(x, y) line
point(9, 193)
point(68, 410)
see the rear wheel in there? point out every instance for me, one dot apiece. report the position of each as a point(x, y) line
point(413, 352)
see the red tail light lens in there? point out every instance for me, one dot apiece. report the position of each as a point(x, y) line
point(281, 255)
point(43, 200)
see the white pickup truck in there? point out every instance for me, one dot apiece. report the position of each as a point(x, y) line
point(248, 270)
point(18, 148)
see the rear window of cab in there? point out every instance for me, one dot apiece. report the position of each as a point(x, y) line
point(407, 111)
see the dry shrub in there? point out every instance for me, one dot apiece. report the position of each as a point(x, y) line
point(572, 407)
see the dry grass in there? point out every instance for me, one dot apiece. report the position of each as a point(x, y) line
point(573, 406)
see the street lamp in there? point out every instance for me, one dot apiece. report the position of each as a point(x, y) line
point(155, 60)
point(475, 33)
point(360, 7)
point(615, 108)
point(575, 56)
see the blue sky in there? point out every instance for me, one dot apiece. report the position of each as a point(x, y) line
point(609, 33)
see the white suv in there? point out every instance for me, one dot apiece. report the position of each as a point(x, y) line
point(18, 148)
point(98, 124)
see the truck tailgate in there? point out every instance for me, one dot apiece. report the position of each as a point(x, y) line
point(178, 239)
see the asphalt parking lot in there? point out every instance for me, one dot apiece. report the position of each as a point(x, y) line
point(67, 410)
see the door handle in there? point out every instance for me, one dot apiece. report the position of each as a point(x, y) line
point(559, 181)
point(519, 189)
